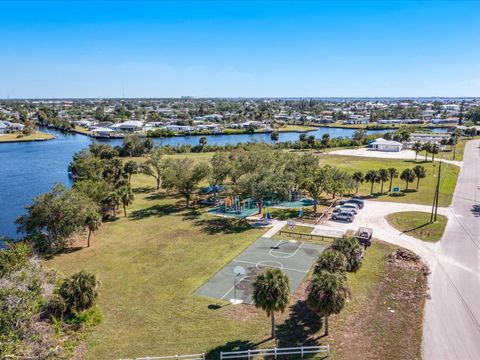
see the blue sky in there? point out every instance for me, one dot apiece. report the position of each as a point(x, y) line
point(248, 48)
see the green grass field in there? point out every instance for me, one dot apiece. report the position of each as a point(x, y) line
point(424, 195)
point(34, 137)
point(150, 264)
point(417, 224)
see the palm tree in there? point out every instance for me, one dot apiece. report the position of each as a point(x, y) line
point(351, 248)
point(358, 178)
point(435, 149)
point(383, 175)
point(372, 177)
point(408, 176)
point(113, 200)
point(125, 194)
point(274, 136)
point(202, 141)
point(426, 147)
point(420, 173)
point(417, 147)
point(327, 294)
point(332, 261)
point(93, 222)
point(271, 292)
point(79, 291)
point(393, 173)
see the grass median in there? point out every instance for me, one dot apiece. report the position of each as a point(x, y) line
point(417, 224)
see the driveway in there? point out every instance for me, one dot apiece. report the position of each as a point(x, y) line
point(404, 154)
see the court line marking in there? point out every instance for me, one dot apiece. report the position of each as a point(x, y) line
point(255, 263)
point(280, 252)
point(239, 281)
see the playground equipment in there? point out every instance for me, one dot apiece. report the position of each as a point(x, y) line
point(234, 205)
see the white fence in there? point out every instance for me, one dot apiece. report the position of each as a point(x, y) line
point(179, 357)
point(250, 354)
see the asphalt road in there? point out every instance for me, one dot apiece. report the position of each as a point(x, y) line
point(452, 315)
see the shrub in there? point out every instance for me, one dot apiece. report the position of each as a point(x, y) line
point(353, 251)
point(332, 261)
point(79, 291)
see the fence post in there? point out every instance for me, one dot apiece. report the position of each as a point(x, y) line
point(221, 355)
point(302, 351)
point(203, 356)
point(249, 354)
point(275, 352)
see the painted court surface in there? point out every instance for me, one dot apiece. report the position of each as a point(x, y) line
point(293, 258)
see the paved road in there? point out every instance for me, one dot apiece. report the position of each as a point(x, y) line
point(452, 315)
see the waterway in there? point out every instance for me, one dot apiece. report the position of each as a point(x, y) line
point(28, 169)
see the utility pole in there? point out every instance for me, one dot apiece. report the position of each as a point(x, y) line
point(433, 216)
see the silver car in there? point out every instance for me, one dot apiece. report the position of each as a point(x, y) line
point(346, 216)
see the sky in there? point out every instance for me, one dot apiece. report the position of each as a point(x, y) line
point(59, 49)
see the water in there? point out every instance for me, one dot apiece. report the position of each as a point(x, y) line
point(29, 169)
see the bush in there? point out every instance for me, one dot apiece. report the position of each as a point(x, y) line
point(14, 257)
point(332, 261)
point(79, 291)
point(55, 307)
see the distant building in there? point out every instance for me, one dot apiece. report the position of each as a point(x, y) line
point(385, 145)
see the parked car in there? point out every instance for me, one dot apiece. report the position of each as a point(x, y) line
point(359, 202)
point(342, 208)
point(346, 216)
point(350, 205)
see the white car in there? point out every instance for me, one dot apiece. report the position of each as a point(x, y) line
point(351, 206)
point(342, 208)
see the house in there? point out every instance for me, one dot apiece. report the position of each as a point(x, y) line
point(3, 128)
point(130, 126)
point(16, 127)
point(385, 145)
point(356, 121)
point(102, 132)
point(423, 138)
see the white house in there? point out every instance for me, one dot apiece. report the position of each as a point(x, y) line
point(385, 145)
point(130, 125)
point(3, 127)
point(101, 131)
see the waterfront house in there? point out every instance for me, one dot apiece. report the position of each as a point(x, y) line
point(3, 127)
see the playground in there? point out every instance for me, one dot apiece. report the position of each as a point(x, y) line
point(293, 257)
point(233, 206)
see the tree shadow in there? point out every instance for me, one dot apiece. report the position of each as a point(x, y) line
point(155, 210)
point(143, 190)
point(192, 214)
point(62, 251)
point(160, 196)
point(236, 345)
point(300, 328)
point(223, 226)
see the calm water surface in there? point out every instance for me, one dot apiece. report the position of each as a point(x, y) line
point(31, 168)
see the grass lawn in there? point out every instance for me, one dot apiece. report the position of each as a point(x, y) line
point(296, 128)
point(81, 130)
point(151, 262)
point(34, 137)
point(424, 195)
point(417, 224)
point(448, 154)
point(383, 320)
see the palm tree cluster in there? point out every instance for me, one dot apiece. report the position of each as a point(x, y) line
point(410, 175)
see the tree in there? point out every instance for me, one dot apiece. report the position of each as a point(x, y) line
point(184, 175)
point(340, 182)
point(154, 166)
point(327, 294)
point(202, 141)
point(420, 173)
point(427, 148)
point(351, 248)
point(311, 141)
point(417, 147)
point(372, 177)
point(220, 168)
point(359, 178)
point(435, 149)
point(393, 174)
point(93, 221)
point(271, 293)
point(325, 142)
point(148, 145)
point(302, 137)
point(79, 291)
point(54, 217)
point(129, 168)
point(332, 261)
point(408, 176)
point(125, 194)
point(274, 136)
point(359, 135)
point(383, 175)
point(316, 182)
point(113, 201)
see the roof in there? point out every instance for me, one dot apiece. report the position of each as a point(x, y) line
point(382, 141)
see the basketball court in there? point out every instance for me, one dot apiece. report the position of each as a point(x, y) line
point(294, 258)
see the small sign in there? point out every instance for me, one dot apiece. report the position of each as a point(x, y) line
point(396, 189)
